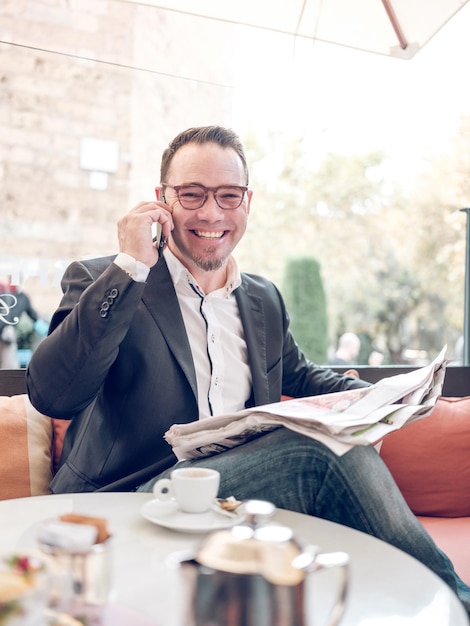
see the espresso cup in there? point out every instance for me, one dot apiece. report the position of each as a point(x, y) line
point(193, 488)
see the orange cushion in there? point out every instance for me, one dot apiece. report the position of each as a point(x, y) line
point(25, 449)
point(430, 460)
point(59, 428)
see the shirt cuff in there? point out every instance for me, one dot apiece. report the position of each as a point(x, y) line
point(137, 271)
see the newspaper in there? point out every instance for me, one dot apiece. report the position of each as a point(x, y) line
point(340, 420)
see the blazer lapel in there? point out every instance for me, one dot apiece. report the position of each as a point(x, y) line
point(252, 315)
point(169, 319)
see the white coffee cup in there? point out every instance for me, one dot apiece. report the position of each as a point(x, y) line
point(193, 488)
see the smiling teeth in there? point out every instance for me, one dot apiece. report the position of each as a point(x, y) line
point(209, 235)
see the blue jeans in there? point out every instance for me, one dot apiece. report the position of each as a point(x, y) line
point(300, 474)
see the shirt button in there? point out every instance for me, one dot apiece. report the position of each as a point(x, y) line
point(212, 338)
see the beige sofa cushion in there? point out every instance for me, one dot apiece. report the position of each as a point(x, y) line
point(25, 449)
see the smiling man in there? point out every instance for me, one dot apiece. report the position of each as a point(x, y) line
point(208, 221)
point(143, 340)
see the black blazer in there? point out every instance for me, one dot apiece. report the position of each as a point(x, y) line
point(118, 361)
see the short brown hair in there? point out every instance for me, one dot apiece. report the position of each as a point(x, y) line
point(217, 134)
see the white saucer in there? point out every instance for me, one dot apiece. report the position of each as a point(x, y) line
point(167, 514)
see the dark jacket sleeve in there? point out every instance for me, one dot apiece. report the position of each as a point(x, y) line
point(71, 364)
point(117, 362)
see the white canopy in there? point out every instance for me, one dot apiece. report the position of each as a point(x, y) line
point(398, 28)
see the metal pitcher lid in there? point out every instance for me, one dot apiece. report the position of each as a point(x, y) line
point(255, 546)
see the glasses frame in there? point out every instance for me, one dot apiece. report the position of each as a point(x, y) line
point(177, 189)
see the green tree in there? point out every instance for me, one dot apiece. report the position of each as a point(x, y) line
point(306, 302)
point(392, 255)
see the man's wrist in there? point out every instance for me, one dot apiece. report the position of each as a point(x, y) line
point(137, 270)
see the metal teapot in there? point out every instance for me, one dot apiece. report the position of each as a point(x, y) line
point(254, 573)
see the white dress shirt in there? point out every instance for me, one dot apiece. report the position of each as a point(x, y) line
point(216, 338)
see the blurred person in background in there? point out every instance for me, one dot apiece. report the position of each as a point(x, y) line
point(15, 304)
point(348, 349)
point(376, 358)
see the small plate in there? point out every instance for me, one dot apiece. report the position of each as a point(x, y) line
point(167, 514)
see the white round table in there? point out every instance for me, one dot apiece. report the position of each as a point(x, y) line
point(387, 586)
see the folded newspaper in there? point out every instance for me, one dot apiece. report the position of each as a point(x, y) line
point(340, 420)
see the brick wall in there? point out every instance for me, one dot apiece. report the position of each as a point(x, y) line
point(99, 69)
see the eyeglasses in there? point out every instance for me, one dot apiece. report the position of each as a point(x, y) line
point(192, 197)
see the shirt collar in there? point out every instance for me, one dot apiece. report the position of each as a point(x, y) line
point(180, 275)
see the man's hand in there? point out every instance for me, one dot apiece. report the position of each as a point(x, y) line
point(135, 230)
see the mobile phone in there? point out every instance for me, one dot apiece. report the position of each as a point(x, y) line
point(158, 237)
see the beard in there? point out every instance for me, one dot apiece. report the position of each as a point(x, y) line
point(209, 259)
point(209, 263)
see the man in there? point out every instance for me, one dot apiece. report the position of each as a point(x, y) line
point(141, 341)
point(349, 346)
point(13, 304)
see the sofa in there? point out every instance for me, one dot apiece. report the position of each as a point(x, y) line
point(429, 459)
point(30, 443)
point(430, 462)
